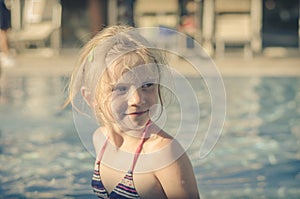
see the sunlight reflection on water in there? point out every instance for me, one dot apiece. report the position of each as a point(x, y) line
point(258, 154)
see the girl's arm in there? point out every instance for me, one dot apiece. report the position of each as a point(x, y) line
point(178, 179)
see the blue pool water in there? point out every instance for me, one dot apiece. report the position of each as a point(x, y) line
point(257, 155)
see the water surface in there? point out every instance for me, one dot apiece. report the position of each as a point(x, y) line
point(257, 155)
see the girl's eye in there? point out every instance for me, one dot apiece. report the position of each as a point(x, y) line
point(120, 89)
point(147, 85)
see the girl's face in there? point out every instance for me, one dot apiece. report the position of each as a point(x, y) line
point(134, 96)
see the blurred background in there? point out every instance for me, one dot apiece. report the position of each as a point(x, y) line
point(253, 25)
point(254, 44)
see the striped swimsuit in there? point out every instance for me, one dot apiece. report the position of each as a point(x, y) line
point(125, 189)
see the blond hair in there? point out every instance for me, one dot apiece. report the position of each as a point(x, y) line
point(104, 58)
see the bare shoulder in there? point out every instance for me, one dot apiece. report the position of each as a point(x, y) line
point(98, 133)
point(177, 178)
point(98, 139)
point(157, 141)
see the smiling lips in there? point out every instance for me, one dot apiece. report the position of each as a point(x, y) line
point(136, 113)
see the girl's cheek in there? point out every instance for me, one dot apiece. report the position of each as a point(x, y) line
point(153, 95)
point(118, 107)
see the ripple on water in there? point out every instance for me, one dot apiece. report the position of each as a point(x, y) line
point(257, 155)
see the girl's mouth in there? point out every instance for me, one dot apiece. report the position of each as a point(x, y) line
point(137, 113)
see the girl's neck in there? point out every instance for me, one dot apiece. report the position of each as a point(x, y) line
point(124, 139)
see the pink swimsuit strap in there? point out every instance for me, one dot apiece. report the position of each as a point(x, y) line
point(137, 152)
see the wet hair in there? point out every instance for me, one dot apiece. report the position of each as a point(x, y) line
point(104, 59)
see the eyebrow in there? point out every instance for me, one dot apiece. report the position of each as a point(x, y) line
point(154, 80)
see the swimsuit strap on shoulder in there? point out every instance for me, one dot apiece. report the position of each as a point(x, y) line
point(140, 146)
point(102, 150)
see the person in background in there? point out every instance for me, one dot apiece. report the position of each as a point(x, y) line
point(5, 25)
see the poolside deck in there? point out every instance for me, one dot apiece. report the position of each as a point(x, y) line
point(43, 62)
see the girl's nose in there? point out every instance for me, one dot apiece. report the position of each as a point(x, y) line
point(135, 97)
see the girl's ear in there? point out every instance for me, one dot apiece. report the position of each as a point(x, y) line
point(87, 96)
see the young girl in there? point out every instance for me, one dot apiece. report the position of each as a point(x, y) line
point(119, 76)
